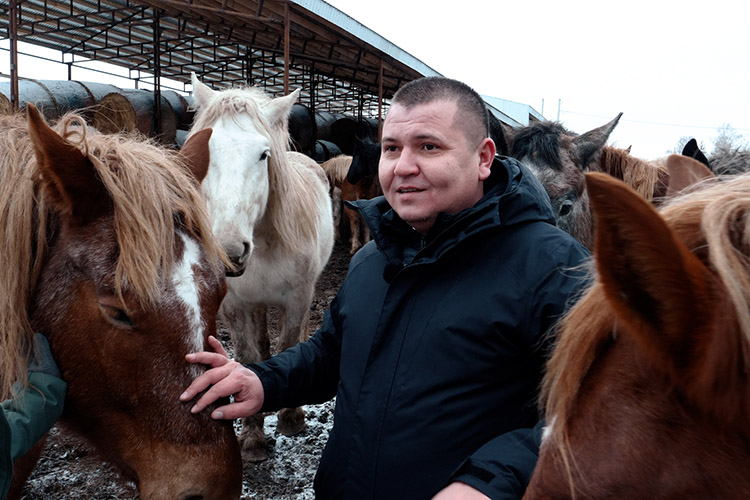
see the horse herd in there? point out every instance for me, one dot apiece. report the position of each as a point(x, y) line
point(125, 254)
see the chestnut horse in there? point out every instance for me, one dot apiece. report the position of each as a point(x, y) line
point(647, 392)
point(106, 249)
point(366, 187)
point(271, 212)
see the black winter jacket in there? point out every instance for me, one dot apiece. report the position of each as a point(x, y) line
point(434, 347)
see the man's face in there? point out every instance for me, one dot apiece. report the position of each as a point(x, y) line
point(428, 165)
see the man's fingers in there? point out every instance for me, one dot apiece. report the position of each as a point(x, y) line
point(216, 346)
point(222, 388)
point(204, 380)
point(233, 411)
point(207, 358)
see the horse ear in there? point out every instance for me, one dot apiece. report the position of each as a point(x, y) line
point(277, 111)
point(684, 172)
point(202, 92)
point(658, 289)
point(588, 145)
point(196, 155)
point(692, 150)
point(70, 177)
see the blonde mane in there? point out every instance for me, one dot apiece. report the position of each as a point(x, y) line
point(715, 223)
point(150, 191)
point(289, 213)
point(641, 175)
point(336, 168)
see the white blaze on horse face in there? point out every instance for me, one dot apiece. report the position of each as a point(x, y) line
point(186, 287)
point(236, 185)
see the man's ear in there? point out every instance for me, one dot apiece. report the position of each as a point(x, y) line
point(486, 157)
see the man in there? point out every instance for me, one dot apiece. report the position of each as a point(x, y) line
point(434, 345)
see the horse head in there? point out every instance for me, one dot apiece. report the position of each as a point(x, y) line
point(250, 134)
point(559, 159)
point(649, 377)
point(365, 160)
point(131, 282)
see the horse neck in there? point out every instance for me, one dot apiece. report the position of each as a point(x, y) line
point(290, 215)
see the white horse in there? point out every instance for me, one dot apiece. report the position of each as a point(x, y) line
point(271, 211)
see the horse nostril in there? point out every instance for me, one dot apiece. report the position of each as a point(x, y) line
point(245, 251)
point(192, 497)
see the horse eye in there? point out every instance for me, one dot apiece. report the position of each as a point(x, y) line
point(264, 155)
point(565, 207)
point(116, 315)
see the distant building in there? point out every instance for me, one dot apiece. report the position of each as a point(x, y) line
point(512, 113)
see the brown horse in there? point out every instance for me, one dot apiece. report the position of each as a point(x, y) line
point(647, 392)
point(366, 187)
point(107, 250)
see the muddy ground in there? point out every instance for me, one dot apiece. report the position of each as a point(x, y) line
point(70, 470)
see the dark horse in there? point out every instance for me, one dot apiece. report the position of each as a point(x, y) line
point(560, 159)
point(648, 390)
point(107, 250)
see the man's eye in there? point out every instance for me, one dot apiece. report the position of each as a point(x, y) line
point(430, 147)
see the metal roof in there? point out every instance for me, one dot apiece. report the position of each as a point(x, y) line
point(332, 58)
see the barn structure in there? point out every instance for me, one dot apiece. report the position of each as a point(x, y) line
point(341, 66)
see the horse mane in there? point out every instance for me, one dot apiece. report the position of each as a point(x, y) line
point(715, 223)
point(543, 140)
point(145, 224)
point(730, 161)
point(337, 168)
point(290, 223)
point(643, 176)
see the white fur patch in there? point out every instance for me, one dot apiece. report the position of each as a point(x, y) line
point(186, 287)
point(547, 431)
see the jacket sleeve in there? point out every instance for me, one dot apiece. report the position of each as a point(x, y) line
point(307, 373)
point(34, 411)
point(25, 419)
point(502, 468)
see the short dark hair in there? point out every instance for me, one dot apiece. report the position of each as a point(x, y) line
point(471, 106)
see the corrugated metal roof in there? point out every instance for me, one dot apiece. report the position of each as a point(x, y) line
point(335, 60)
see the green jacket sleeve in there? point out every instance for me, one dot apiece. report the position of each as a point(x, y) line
point(25, 419)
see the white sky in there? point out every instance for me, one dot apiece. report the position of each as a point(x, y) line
point(675, 68)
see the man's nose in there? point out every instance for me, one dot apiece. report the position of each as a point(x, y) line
point(406, 163)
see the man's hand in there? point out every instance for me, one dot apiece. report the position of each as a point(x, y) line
point(225, 378)
point(460, 491)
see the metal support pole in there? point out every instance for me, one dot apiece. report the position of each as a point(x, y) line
point(13, 32)
point(157, 73)
point(286, 48)
point(380, 100)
